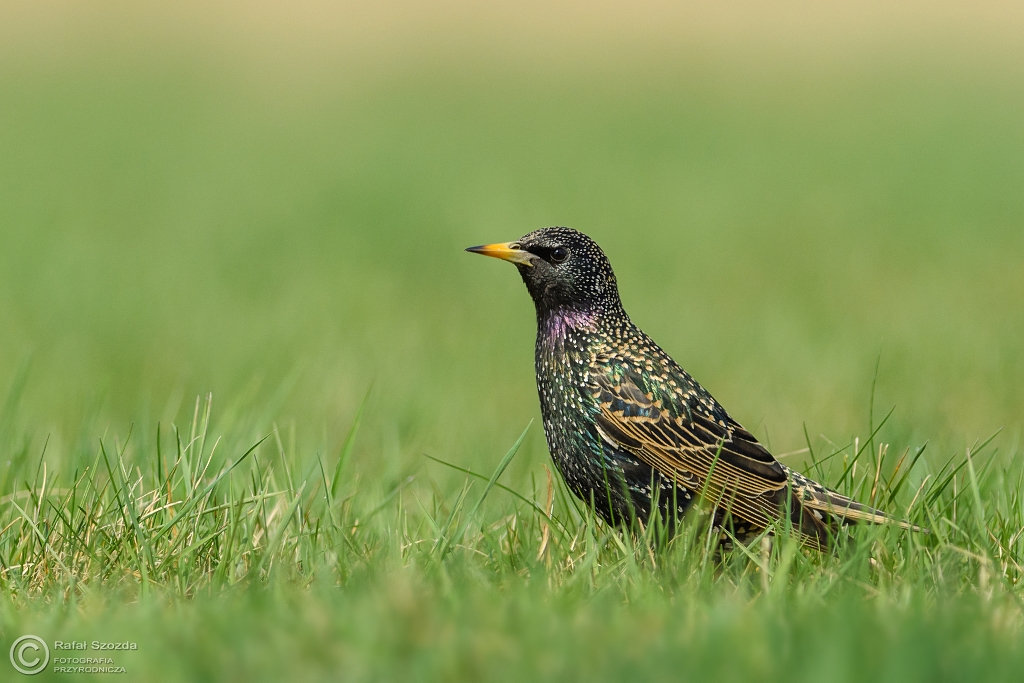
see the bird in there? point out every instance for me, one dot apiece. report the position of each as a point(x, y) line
point(633, 434)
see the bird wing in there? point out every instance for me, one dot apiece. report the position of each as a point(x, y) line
point(689, 438)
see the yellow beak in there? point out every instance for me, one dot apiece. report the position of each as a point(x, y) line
point(507, 251)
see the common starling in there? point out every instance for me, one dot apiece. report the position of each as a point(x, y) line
point(630, 430)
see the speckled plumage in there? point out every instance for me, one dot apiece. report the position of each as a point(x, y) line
point(628, 428)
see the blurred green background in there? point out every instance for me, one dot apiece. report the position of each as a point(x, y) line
point(271, 202)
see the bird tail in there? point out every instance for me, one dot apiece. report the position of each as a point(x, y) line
point(819, 510)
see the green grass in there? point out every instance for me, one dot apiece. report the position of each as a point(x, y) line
point(171, 230)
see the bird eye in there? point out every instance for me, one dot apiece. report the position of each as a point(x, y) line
point(559, 254)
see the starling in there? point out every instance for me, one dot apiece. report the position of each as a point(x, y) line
point(629, 430)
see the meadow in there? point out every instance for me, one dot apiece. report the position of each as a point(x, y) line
point(263, 416)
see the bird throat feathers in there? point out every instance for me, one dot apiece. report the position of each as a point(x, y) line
point(559, 323)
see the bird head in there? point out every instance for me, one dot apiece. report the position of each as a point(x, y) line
point(563, 269)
